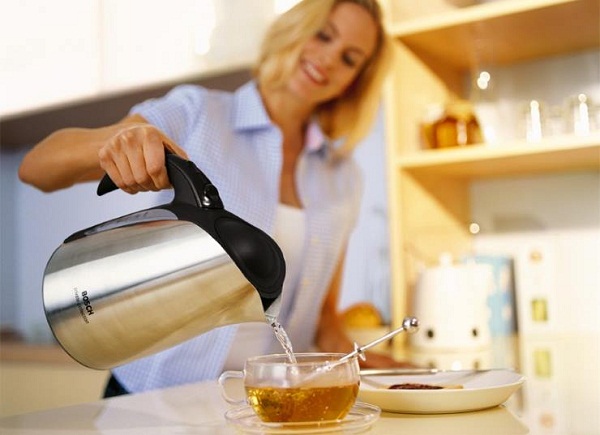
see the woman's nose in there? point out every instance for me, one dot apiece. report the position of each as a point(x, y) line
point(328, 58)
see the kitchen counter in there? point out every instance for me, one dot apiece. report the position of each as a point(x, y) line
point(35, 377)
point(18, 351)
point(560, 396)
point(199, 409)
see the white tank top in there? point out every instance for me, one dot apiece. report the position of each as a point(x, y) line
point(257, 338)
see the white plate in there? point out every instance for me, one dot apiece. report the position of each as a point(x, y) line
point(481, 389)
point(359, 419)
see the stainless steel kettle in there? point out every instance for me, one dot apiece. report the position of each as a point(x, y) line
point(144, 282)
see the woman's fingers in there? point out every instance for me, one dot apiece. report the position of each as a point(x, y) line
point(108, 156)
point(129, 159)
point(154, 161)
point(147, 161)
point(135, 158)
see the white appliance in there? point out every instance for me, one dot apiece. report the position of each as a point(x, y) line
point(450, 301)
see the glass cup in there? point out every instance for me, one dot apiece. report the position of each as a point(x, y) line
point(319, 387)
point(578, 117)
point(533, 121)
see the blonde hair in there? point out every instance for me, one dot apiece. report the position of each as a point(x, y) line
point(351, 115)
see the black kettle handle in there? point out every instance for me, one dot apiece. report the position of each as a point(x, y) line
point(190, 184)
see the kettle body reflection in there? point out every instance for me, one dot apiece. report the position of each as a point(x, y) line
point(144, 282)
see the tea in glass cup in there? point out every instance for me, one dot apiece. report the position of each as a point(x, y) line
point(318, 387)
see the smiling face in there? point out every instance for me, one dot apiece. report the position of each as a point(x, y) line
point(335, 55)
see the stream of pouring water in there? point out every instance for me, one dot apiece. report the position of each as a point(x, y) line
point(284, 340)
point(280, 334)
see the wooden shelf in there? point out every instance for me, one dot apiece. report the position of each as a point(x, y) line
point(503, 32)
point(431, 189)
point(553, 155)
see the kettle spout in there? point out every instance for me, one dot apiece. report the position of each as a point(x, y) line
point(272, 311)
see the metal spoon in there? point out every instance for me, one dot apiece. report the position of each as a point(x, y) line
point(409, 324)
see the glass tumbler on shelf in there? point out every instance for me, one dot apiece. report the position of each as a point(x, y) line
point(533, 120)
point(578, 119)
point(487, 104)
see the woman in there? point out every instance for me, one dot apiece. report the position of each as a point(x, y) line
point(279, 151)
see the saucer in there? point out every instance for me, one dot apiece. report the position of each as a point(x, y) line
point(359, 419)
point(479, 389)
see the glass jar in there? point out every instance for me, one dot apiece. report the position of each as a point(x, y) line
point(457, 126)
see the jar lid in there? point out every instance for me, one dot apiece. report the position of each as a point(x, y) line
point(460, 109)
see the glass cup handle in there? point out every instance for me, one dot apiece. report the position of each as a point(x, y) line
point(225, 376)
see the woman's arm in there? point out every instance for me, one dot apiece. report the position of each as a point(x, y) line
point(130, 151)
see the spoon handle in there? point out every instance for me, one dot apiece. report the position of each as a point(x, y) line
point(409, 324)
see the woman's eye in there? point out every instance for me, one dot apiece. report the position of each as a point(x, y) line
point(349, 60)
point(323, 36)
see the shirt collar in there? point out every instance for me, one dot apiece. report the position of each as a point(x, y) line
point(250, 113)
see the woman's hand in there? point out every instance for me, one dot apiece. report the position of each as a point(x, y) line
point(134, 157)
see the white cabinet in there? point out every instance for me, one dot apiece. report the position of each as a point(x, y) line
point(64, 51)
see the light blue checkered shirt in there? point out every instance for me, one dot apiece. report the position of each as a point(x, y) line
point(232, 140)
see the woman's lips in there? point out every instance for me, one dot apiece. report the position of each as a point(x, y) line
point(313, 72)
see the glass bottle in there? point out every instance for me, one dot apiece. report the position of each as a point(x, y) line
point(458, 126)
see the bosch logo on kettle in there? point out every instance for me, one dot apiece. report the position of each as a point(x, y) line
point(84, 304)
point(87, 303)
